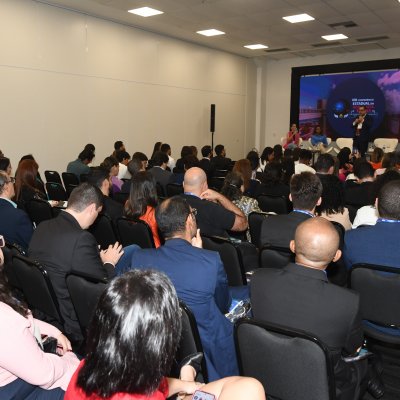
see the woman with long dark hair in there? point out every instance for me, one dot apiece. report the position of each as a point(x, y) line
point(142, 202)
point(26, 372)
point(111, 164)
point(131, 344)
point(27, 186)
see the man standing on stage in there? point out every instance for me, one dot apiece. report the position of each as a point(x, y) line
point(362, 125)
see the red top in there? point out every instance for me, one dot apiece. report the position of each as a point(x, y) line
point(75, 393)
point(150, 218)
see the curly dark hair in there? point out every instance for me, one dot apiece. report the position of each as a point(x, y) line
point(333, 198)
point(231, 187)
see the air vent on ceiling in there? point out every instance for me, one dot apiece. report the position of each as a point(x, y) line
point(277, 50)
point(325, 44)
point(345, 24)
point(372, 39)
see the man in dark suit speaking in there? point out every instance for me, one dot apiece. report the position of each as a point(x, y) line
point(362, 126)
point(300, 297)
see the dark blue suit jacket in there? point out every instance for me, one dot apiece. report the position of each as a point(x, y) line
point(15, 225)
point(377, 244)
point(200, 281)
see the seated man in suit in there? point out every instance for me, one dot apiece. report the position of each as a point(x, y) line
point(215, 213)
point(100, 178)
point(205, 162)
point(220, 161)
point(159, 171)
point(199, 279)
point(299, 296)
point(360, 193)
point(15, 225)
point(378, 244)
point(63, 245)
point(305, 194)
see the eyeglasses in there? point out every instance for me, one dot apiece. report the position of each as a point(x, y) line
point(12, 180)
point(193, 211)
point(2, 241)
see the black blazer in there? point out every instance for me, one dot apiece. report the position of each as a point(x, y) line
point(279, 230)
point(302, 298)
point(62, 246)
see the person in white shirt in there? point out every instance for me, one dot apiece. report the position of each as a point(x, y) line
point(305, 157)
point(166, 148)
point(123, 158)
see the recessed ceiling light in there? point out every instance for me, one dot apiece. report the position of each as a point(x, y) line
point(298, 18)
point(211, 32)
point(145, 11)
point(256, 46)
point(338, 36)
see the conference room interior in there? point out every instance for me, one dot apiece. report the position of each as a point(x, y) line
point(86, 71)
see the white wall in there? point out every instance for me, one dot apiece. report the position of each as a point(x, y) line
point(276, 83)
point(68, 79)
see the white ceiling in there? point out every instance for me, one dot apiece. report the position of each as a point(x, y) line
point(260, 21)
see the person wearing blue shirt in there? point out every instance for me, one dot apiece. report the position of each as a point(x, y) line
point(319, 138)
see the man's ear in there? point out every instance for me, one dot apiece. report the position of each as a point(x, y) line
point(290, 197)
point(337, 255)
point(319, 201)
point(292, 246)
point(331, 170)
point(376, 203)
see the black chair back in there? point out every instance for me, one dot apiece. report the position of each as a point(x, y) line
point(103, 230)
point(85, 293)
point(216, 183)
point(275, 256)
point(160, 190)
point(220, 173)
point(71, 181)
point(83, 177)
point(255, 221)
point(37, 289)
point(190, 342)
point(231, 258)
point(276, 204)
point(56, 191)
point(39, 210)
point(379, 290)
point(52, 176)
point(290, 364)
point(9, 251)
point(174, 189)
point(134, 232)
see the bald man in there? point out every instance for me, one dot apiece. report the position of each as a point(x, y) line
point(300, 296)
point(215, 213)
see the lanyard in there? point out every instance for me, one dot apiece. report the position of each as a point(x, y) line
point(304, 212)
point(392, 221)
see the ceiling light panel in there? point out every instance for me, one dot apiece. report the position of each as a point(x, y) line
point(294, 19)
point(338, 36)
point(256, 46)
point(145, 11)
point(211, 32)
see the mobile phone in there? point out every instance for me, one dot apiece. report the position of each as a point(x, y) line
point(200, 395)
point(2, 241)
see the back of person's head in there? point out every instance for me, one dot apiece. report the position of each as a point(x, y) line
point(134, 166)
point(90, 147)
point(171, 216)
point(4, 163)
point(206, 151)
point(122, 155)
point(288, 152)
point(190, 162)
point(219, 148)
point(296, 153)
point(377, 155)
point(278, 152)
point(157, 147)
point(332, 198)
point(344, 156)
point(273, 174)
point(186, 151)
point(83, 196)
point(266, 154)
point(195, 180)
point(316, 243)
point(86, 154)
point(324, 164)
point(133, 336)
point(165, 147)
point(233, 183)
point(287, 164)
point(143, 193)
point(381, 180)
point(141, 156)
point(194, 150)
point(160, 158)
point(305, 190)
point(119, 145)
point(109, 162)
point(388, 200)
point(389, 160)
point(97, 176)
point(363, 169)
point(26, 157)
point(243, 166)
point(305, 155)
point(252, 156)
point(26, 176)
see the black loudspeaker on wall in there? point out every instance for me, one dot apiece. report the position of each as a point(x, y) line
point(212, 118)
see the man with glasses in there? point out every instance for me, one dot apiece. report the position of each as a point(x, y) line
point(15, 225)
point(199, 279)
